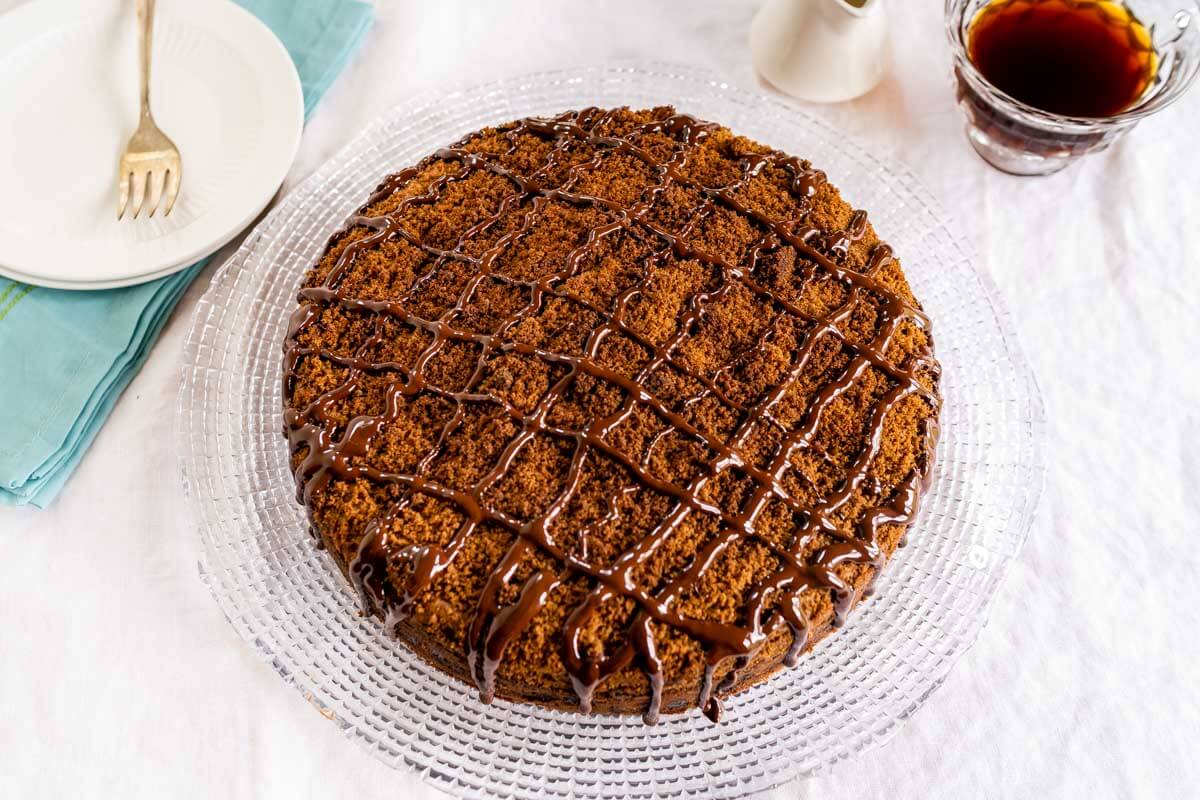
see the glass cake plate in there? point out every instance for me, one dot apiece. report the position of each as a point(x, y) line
point(289, 600)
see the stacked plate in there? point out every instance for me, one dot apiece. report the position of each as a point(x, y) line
point(222, 87)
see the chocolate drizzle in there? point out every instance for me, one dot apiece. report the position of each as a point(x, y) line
point(495, 624)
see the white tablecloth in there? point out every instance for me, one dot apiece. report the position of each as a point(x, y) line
point(119, 677)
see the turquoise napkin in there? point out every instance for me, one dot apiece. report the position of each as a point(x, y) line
point(65, 357)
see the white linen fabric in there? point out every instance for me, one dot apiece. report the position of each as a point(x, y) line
point(119, 677)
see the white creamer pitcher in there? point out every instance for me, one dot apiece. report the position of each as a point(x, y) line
point(821, 50)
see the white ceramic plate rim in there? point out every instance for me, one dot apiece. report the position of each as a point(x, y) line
point(273, 67)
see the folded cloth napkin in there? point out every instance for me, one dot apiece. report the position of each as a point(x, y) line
point(66, 356)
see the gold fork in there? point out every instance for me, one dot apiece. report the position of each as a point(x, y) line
point(151, 162)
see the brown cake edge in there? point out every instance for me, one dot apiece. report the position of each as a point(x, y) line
point(678, 697)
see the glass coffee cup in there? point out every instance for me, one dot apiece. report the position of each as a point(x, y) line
point(1041, 81)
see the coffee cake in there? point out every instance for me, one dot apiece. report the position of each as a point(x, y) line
point(614, 410)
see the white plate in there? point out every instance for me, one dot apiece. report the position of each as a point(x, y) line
point(223, 88)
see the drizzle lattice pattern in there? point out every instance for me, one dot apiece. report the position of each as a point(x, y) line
point(495, 625)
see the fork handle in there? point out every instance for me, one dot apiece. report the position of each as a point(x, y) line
point(145, 19)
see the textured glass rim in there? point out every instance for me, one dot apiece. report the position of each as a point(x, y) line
point(1031, 460)
point(960, 13)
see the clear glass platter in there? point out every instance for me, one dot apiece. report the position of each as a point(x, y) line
point(288, 600)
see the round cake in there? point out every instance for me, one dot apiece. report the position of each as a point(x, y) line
point(614, 410)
